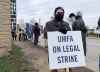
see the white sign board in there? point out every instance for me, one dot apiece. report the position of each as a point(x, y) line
point(65, 50)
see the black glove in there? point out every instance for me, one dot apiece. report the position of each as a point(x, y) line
point(62, 30)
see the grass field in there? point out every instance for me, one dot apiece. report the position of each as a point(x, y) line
point(14, 62)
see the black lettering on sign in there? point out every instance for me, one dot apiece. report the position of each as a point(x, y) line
point(59, 61)
point(65, 39)
point(70, 48)
point(56, 49)
point(76, 60)
point(65, 48)
point(67, 59)
point(73, 58)
point(76, 48)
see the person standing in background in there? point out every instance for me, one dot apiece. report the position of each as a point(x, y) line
point(36, 32)
point(79, 25)
point(71, 19)
point(98, 29)
point(20, 34)
point(45, 38)
point(13, 33)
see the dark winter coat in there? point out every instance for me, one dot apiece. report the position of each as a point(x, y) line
point(36, 30)
point(99, 22)
point(55, 26)
point(79, 25)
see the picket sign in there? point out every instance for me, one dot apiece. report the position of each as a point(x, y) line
point(65, 50)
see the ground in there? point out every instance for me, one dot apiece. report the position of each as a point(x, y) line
point(38, 56)
point(93, 51)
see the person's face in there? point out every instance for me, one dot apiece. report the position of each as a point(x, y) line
point(59, 14)
point(73, 18)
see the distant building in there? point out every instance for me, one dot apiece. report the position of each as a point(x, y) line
point(91, 30)
point(13, 14)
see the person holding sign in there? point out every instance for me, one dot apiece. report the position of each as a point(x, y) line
point(79, 25)
point(57, 24)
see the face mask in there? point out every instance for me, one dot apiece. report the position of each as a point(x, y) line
point(59, 15)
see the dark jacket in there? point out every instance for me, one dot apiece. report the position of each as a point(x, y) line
point(36, 30)
point(55, 26)
point(98, 27)
point(99, 22)
point(79, 25)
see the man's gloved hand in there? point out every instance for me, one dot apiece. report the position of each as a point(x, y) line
point(62, 30)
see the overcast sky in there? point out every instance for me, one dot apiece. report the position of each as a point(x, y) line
point(43, 9)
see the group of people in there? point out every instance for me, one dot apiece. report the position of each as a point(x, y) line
point(22, 35)
point(74, 23)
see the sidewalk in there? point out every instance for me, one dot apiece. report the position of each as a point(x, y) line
point(93, 50)
point(39, 58)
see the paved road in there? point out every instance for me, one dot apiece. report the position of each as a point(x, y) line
point(93, 51)
point(39, 56)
